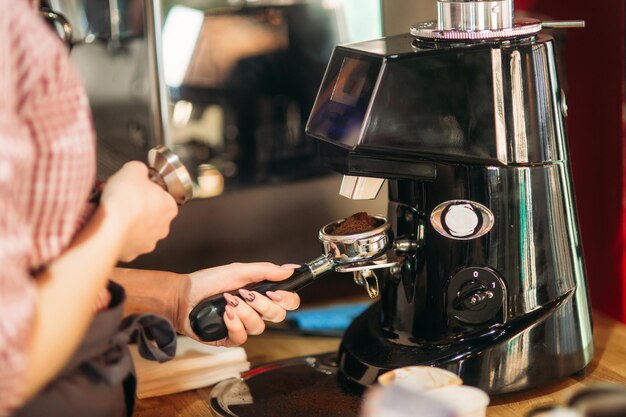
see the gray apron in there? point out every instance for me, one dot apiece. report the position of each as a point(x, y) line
point(99, 380)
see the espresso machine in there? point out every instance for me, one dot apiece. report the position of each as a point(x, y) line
point(464, 120)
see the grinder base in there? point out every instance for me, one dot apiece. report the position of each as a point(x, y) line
point(308, 386)
point(540, 347)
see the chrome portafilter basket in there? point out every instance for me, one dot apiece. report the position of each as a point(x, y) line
point(360, 253)
point(355, 248)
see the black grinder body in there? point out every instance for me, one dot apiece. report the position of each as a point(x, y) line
point(471, 138)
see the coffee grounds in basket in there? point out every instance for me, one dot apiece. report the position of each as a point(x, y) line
point(357, 223)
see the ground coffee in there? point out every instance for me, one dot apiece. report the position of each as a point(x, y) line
point(357, 223)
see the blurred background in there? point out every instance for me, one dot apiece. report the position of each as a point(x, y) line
point(238, 80)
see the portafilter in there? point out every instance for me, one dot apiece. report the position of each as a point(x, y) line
point(340, 251)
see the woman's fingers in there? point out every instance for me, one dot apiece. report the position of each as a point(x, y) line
point(272, 307)
point(251, 320)
point(286, 299)
point(239, 275)
point(245, 315)
point(264, 306)
point(237, 334)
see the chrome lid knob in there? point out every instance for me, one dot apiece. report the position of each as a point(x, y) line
point(469, 20)
point(475, 15)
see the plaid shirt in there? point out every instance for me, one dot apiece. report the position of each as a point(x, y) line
point(47, 168)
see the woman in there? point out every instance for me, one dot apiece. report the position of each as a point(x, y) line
point(58, 253)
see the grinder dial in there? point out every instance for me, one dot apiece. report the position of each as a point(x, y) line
point(476, 296)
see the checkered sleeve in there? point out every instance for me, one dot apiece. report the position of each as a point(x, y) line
point(47, 164)
point(17, 289)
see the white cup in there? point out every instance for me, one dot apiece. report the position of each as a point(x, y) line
point(466, 401)
point(420, 378)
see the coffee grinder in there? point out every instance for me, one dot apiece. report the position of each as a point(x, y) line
point(464, 119)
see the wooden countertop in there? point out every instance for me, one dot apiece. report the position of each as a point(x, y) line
point(609, 365)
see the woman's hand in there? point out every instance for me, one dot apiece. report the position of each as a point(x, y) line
point(245, 314)
point(141, 209)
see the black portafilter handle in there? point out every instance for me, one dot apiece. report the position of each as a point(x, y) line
point(207, 318)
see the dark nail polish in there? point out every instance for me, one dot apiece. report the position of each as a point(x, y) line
point(249, 296)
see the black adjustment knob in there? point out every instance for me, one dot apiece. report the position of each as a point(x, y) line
point(476, 295)
point(473, 296)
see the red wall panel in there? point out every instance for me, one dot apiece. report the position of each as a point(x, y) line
point(595, 81)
